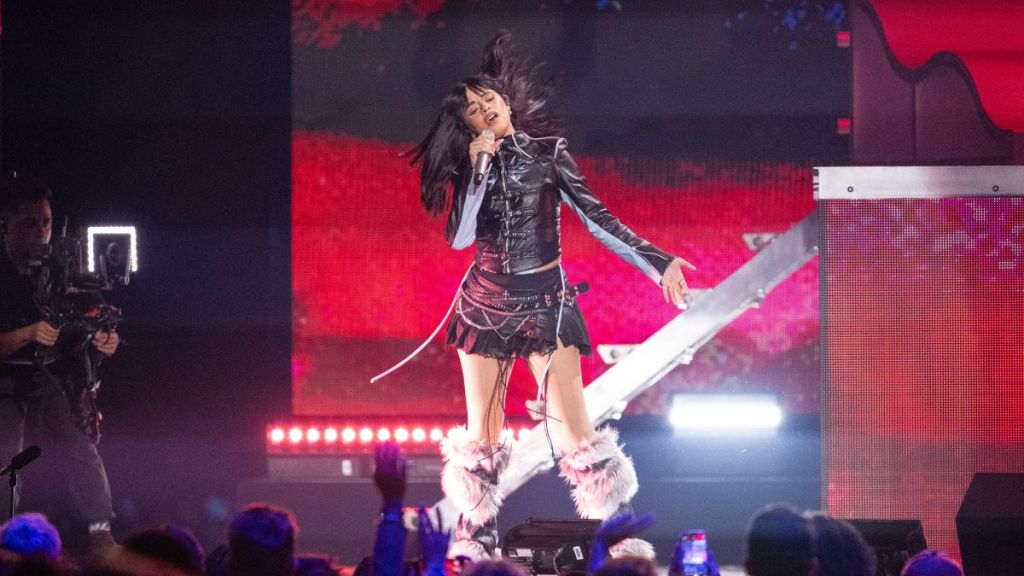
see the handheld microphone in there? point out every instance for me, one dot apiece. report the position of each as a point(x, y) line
point(483, 160)
point(22, 459)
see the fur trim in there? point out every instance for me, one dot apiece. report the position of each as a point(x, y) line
point(633, 547)
point(469, 467)
point(470, 454)
point(603, 477)
point(604, 446)
point(468, 548)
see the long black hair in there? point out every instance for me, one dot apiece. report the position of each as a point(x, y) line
point(443, 151)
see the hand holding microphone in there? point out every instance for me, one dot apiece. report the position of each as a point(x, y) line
point(481, 150)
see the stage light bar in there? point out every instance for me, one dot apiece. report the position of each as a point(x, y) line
point(725, 412)
point(133, 253)
point(360, 436)
point(276, 435)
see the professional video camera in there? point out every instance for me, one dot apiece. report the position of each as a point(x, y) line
point(77, 270)
point(70, 281)
point(99, 259)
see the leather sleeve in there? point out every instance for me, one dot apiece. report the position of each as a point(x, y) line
point(460, 230)
point(455, 214)
point(602, 224)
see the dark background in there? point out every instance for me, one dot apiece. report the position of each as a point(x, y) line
point(709, 79)
point(173, 117)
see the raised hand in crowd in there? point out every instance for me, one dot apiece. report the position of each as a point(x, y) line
point(433, 543)
point(615, 530)
point(389, 476)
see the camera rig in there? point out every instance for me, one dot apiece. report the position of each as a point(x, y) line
point(70, 285)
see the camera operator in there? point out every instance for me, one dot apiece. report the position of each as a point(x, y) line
point(35, 404)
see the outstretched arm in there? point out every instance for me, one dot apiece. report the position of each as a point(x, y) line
point(660, 266)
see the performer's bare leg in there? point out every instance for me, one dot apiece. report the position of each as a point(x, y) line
point(474, 458)
point(602, 477)
point(565, 393)
point(485, 396)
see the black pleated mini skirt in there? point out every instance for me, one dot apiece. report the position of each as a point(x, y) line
point(516, 315)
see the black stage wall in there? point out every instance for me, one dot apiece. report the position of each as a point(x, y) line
point(174, 117)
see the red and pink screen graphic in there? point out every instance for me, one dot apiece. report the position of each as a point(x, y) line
point(924, 324)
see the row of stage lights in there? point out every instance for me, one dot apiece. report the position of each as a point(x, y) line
point(311, 438)
point(715, 414)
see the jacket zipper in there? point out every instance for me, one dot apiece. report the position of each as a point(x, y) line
point(508, 221)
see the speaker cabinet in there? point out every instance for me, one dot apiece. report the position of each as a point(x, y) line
point(894, 541)
point(990, 525)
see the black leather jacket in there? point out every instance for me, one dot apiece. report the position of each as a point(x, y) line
point(513, 216)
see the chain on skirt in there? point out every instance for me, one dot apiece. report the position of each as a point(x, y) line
point(516, 315)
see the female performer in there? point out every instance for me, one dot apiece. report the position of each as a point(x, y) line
point(515, 301)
